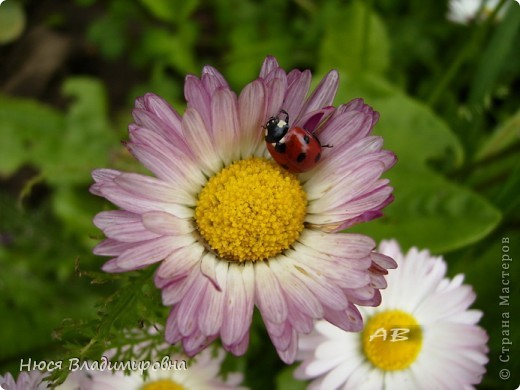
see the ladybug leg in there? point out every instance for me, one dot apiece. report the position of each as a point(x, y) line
point(323, 146)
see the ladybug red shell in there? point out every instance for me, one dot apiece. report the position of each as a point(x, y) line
point(294, 148)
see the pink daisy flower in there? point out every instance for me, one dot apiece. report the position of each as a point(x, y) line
point(234, 230)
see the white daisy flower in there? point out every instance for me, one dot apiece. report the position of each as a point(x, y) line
point(465, 11)
point(422, 336)
point(201, 373)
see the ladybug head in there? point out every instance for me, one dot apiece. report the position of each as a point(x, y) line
point(276, 128)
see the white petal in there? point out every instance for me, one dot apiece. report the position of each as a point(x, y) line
point(298, 87)
point(338, 376)
point(167, 168)
point(200, 142)
point(180, 262)
point(252, 112)
point(166, 224)
point(189, 306)
point(324, 93)
point(296, 292)
point(153, 189)
point(276, 89)
point(198, 98)
point(151, 251)
point(328, 293)
point(239, 308)
point(136, 204)
point(208, 267)
point(226, 131)
point(211, 311)
point(269, 296)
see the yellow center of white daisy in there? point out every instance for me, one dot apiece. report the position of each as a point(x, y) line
point(163, 384)
point(251, 210)
point(392, 340)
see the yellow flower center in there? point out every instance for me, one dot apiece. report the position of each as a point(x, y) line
point(251, 210)
point(392, 340)
point(163, 384)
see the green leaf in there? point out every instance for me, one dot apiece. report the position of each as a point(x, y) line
point(163, 84)
point(285, 380)
point(251, 37)
point(89, 110)
point(176, 50)
point(75, 207)
point(12, 21)
point(355, 39)
point(170, 10)
point(12, 149)
point(415, 133)
point(30, 132)
point(66, 148)
point(429, 211)
point(109, 35)
point(411, 130)
point(161, 9)
point(87, 138)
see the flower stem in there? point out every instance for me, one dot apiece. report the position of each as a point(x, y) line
point(465, 54)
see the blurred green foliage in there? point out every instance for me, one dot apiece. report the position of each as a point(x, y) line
point(12, 20)
point(446, 94)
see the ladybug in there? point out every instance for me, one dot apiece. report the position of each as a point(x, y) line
point(294, 148)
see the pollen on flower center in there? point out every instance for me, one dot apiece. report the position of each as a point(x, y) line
point(392, 340)
point(251, 210)
point(162, 384)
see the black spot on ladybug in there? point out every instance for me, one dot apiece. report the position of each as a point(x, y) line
point(280, 148)
point(301, 157)
point(306, 139)
point(284, 166)
point(317, 158)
